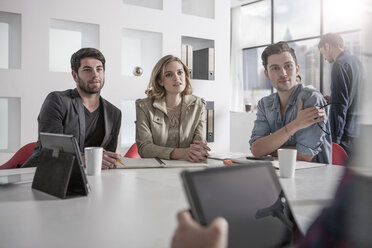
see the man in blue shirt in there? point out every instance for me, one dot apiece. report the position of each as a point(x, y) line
point(294, 116)
point(346, 75)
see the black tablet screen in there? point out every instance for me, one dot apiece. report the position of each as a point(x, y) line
point(249, 197)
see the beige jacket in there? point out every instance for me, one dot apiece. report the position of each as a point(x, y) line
point(152, 125)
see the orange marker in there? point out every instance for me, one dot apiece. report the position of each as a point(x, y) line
point(227, 162)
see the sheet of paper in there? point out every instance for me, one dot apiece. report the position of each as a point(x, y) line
point(153, 163)
point(300, 165)
point(183, 163)
point(137, 163)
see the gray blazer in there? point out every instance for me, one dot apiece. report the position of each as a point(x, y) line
point(63, 112)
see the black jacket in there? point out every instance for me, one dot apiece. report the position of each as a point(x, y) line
point(63, 112)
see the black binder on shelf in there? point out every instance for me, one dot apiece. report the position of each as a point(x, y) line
point(203, 63)
point(60, 171)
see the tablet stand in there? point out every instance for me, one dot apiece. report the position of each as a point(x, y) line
point(59, 174)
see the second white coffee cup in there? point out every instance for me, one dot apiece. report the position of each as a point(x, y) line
point(93, 160)
point(287, 162)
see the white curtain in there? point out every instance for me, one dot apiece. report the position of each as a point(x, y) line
point(236, 66)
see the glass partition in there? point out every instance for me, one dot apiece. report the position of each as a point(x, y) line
point(342, 15)
point(255, 22)
point(256, 85)
point(308, 58)
point(296, 19)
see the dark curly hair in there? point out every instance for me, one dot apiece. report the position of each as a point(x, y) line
point(277, 48)
point(86, 52)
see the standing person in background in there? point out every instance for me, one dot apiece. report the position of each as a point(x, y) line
point(346, 76)
point(171, 122)
point(82, 111)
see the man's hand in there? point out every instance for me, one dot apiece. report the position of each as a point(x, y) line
point(308, 116)
point(197, 152)
point(109, 160)
point(328, 99)
point(189, 233)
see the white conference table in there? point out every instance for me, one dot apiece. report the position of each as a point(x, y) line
point(130, 208)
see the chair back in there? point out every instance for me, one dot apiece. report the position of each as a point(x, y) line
point(339, 155)
point(132, 152)
point(19, 157)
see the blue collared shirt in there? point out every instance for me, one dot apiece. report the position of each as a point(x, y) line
point(312, 140)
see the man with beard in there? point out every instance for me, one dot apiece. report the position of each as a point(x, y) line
point(82, 111)
point(294, 116)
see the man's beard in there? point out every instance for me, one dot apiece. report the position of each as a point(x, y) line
point(88, 88)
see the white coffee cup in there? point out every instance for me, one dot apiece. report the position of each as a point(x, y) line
point(93, 160)
point(287, 162)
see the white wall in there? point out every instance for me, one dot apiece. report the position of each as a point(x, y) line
point(241, 125)
point(34, 80)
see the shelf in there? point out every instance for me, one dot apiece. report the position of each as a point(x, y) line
point(10, 40)
point(140, 49)
point(10, 121)
point(153, 4)
point(65, 38)
point(203, 8)
point(198, 55)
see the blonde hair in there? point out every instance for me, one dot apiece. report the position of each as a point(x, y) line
point(154, 89)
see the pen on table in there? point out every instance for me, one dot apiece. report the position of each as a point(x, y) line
point(117, 160)
point(267, 158)
point(160, 161)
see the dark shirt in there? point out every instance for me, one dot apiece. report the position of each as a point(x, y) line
point(94, 127)
point(346, 76)
point(63, 112)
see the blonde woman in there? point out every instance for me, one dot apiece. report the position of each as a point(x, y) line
point(171, 122)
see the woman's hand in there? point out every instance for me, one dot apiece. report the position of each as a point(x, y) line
point(197, 152)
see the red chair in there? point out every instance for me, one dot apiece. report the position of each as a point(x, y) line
point(339, 156)
point(132, 152)
point(19, 157)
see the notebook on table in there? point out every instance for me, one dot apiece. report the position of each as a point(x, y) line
point(136, 163)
